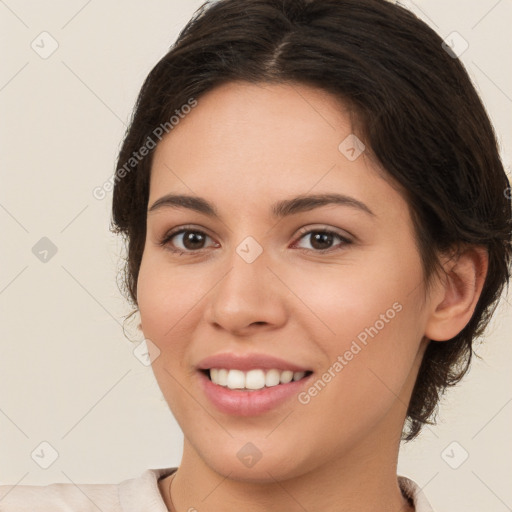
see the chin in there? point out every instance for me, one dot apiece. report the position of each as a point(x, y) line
point(252, 462)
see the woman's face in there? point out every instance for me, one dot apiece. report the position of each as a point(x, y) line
point(259, 293)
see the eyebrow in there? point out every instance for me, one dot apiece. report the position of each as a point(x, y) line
point(283, 208)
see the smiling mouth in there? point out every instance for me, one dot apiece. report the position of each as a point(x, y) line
point(253, 380)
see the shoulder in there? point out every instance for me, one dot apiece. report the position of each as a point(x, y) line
point(59, 498)
point(411, 489)
point(133, 495)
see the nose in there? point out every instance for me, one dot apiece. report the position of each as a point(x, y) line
point(248, 298)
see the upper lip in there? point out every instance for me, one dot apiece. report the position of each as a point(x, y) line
point(248, 362)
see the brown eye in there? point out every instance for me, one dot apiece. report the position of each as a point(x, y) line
point(322, 240)
point(193, 240)
point(184, 240)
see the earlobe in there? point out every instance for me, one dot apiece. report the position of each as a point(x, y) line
point(456, 297)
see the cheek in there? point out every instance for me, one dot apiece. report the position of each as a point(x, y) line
point(364, 385)
point(367, 323)
point(167, 300)
point(164, 301)
point(352, 300)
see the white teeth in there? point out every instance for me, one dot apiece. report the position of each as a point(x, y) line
point(272, 378)
point(298, 375)
point(222, 377)
point(286, 377)
point(236, 379)
point(253, 379)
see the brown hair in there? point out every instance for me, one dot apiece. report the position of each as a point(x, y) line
point(417, 112)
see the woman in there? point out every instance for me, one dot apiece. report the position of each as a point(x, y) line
point(318, 227)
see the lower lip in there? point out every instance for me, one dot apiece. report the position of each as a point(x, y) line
point(249, 403)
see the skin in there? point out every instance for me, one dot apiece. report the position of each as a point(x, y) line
point(243, 148)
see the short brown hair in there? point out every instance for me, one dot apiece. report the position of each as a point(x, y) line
point(417, 112)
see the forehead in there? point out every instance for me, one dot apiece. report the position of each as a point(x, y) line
point(259, 121)
point(263, 142)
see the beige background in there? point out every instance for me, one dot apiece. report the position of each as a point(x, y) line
point(68, 375)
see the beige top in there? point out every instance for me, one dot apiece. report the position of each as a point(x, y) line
point(139, 494)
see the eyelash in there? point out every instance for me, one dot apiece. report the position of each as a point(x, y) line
point(164, 242)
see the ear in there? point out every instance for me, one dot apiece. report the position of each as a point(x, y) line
point(456, 294)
